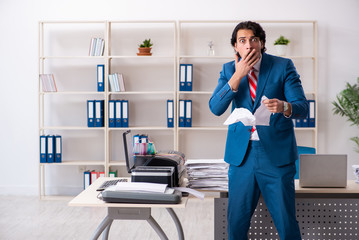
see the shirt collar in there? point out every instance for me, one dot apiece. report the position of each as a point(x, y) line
point(257, 66)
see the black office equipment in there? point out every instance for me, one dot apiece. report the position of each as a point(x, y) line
point(163, 168)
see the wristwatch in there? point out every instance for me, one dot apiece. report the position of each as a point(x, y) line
point(285, 106)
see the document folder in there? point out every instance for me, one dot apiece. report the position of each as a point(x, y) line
point(188, 113)
point(189, 77)
point(100, 78)
point(182, 77)
point(90, 113)
point(58, 149)
point(118, 114)
point(50, 149)
point(43, 144)
point(112, 113)
point(170, 113)
point(182, 108)
point(124, 113)
point(311, 117)
point(99, 109)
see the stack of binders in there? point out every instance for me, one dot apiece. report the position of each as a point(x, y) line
point(310, 120)
point(185, 113)
point(91, 176)
point(95, 113)
point(118, 113)
point(97, 46)
point(50, 149)
point(186, 77)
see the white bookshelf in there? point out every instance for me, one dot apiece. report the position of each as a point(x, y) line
point(149, 82)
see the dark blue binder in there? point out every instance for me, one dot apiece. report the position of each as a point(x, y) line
point(112, 113)
point(170, 113)
point(304, 122)
point(100, 78)
point(118, 113)
point(99, 109)
point(182, 77)
point(311, 116)
point(50, 149)
point(58, 148)
point(90, 113)
point(87, 179)
point(189, 77)
point(298, 123)
point(182, 113)
point(43, 149)
point(188, 113)
point(124, 113)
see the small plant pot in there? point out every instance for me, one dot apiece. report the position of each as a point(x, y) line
point(144, 52)
point(281, 49)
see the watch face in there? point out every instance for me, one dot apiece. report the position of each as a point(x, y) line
point(285, 106)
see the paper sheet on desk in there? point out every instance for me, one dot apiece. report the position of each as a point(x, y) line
point(260, 117)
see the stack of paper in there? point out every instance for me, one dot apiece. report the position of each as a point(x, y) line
point(356, 172)
point(207, 174)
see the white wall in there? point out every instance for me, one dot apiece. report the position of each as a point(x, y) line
point(338, 51)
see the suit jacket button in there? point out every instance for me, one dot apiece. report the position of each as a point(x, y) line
point(249, 130)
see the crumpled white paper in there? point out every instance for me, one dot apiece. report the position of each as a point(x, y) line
point(260, 117)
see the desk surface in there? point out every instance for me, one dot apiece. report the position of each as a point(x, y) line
point(352, 187)
point(88, 198)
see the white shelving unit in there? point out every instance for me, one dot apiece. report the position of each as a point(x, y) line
point(149, 82)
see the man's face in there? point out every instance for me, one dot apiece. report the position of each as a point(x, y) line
point(246, 42)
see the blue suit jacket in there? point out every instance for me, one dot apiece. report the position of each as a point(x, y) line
point(277, 78)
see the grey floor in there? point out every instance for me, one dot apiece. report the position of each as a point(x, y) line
point(30, 218)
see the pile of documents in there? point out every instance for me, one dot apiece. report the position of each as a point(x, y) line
point(356, 172)
point(207, 174)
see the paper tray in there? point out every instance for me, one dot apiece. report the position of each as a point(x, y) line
point(140, 197)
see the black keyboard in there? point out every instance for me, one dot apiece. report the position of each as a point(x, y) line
point(106, 184)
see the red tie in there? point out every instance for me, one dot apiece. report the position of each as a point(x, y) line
point(252, 87)
point(252, 83)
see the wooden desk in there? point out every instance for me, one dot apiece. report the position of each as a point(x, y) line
point(88, 198)
point(322, 213)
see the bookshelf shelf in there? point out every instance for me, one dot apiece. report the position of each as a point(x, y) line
point(75, 163)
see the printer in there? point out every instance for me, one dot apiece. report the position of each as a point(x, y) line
point(163, 168)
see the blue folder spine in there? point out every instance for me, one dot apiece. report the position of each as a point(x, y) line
point(182, 112)
point(188, 113)
point(124, 113)
point(58, 148)
point(112, 113)
point(100, 77)
point(182, 77)
point(43, 149)
point(90, 113)
point(189, 77)
point(311, 116)
point(50, 149)
point(118, 114)
point(170, 113)
point(99, 109)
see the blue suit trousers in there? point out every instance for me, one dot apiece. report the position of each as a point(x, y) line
point(258, 175)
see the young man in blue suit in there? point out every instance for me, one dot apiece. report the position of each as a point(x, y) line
point(261, 158)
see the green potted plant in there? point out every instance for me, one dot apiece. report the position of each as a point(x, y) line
point(145, 48)
point(281, 45)
point(347, 105)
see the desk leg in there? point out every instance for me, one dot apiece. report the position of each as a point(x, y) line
point(106, 222)
point(157, 228)
point(177, 223)
point(107, 230)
